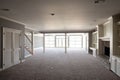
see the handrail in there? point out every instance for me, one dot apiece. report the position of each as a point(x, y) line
point(28, 38)
point(30, 51)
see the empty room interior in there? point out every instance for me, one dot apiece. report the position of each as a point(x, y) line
point(59, 39)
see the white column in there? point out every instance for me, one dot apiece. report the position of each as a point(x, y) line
point(65, 42)
point(55, 40)
point(43, 42)
point(32, 42)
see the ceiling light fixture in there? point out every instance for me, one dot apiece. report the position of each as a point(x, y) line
point(52, 14)
point(99, 1)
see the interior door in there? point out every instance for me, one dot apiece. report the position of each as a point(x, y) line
point(7, 48)
point(16, 47)
point(11, 47)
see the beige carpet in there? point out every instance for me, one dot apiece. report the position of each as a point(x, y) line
point(56, 65)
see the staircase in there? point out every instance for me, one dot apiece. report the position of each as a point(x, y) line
point(28, 49)
point(28, 43)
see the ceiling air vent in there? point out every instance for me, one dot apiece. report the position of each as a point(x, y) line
point(99, 1)
point(5, 9)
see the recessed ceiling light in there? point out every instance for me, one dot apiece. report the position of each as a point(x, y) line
point(5, 9)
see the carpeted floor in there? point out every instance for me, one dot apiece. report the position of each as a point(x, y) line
point(56, 65)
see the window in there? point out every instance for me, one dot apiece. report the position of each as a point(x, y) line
point(60, 41)
point(75, 41)
point(49, 41)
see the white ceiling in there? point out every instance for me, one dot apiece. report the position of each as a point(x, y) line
point(69, 14)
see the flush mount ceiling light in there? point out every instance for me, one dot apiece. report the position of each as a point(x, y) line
point(99, 1)
point(5, 9)
point(52, 14)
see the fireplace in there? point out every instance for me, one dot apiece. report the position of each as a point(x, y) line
point(106, 48)
point(107, 51)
